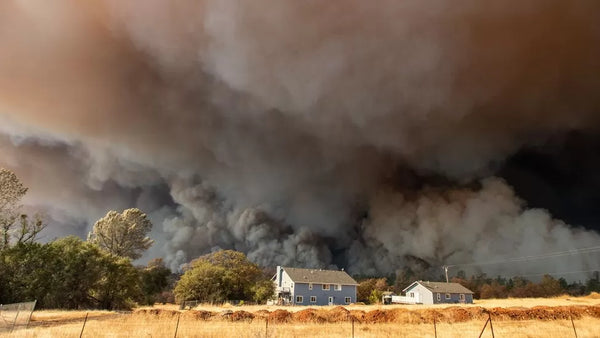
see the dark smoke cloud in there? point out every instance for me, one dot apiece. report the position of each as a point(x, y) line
point(302, 133)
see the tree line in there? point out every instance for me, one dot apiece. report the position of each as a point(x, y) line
point(71, 273)
point(371, 290)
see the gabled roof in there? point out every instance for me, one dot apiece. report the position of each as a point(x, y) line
point(317, 276)
point(441, 287)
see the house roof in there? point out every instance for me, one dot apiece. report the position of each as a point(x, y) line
point(441, 287)
point(319, 276)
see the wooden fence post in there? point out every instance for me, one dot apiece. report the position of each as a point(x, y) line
point(83, 327)
point(573, 323)
point(491, 325)
point(177, 327)
point(352, 326)
point(267, 327)
point(435, 326)
point(484, 326)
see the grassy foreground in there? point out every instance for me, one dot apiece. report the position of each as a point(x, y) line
point(511, 318)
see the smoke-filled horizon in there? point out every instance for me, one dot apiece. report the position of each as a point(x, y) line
point(316, 134)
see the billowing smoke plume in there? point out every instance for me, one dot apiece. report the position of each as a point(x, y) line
point(304, 133)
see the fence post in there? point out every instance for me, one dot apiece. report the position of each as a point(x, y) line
point(573, 323)
point(484, 326)
point(83, 327)
point(435, 326)
point(491, 325)
point(16, 318)
point(177, 326)
point(267, 327)
point(31, 313)
point(352, 326)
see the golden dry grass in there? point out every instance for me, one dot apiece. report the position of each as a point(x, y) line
point(129, 326)
point(391, 321)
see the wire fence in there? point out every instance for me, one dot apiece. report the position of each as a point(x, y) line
point(15, 316)
point(180, 325)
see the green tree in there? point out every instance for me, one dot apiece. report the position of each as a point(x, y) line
point(155, 279)
point(26, 273)
point(371, 290)
point(123, 234)
point(263, 290)
point(68, 273)
point(220, 276)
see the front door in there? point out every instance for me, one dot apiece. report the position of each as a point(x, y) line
point(330, 300)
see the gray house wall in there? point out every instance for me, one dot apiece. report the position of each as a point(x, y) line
point(339, 297)
point(426, 297)
point(430, 297)
point(454, 298)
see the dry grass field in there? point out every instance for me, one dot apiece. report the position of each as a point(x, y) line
point(510, 318)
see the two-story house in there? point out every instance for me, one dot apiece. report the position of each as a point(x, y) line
point(314, 287)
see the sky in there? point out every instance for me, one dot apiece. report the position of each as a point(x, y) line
point(350, 134)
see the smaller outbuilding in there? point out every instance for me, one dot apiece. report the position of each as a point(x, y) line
point(438, 293)
point(421, 292)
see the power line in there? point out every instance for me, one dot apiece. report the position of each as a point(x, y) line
point(557, 273)
point(532, 257)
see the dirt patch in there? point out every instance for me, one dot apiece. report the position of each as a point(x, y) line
point(358, 315)
point(262, 314)
point(280, 316)
point(308, 316)
point(241, 316)
point(338, 314)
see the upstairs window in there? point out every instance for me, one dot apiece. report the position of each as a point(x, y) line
point(338, 287)
point(310, 286)
point(326, 287)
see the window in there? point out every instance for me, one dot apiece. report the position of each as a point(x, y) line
point(348, 300)
point(299, 299)
point(330, 300)
point(313, 299)
point(439, 297)
point(448, 296)
point(338, 287)
point(325, 286)
point(462, 297)
point(310, 286)
point(412, 295)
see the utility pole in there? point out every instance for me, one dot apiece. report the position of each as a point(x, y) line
point(445, 267)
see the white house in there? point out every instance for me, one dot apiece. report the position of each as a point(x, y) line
point(421, 292)
point(314, 287)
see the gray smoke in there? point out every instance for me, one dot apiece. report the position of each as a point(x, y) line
point(302, 133)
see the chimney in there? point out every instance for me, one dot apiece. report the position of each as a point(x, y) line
point(279, 275)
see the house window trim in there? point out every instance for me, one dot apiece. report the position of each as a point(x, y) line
point(326, 287)
point(448, 296)
point(299, 299)
point(310, 286)
point(348, 300)
point(462, 297)
point(313, 299)
point(338, 287)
